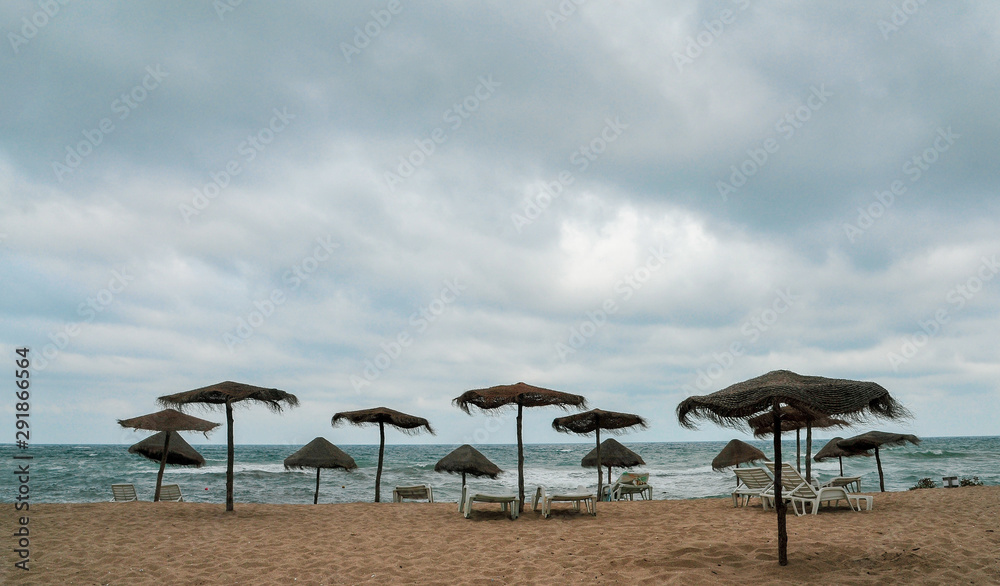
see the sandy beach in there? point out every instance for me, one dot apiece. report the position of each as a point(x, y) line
point(932, 536)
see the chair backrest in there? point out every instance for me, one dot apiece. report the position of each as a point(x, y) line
point(171, 492)
point(753, 477)
point(419, 492)
point(792, 481)
point(123, 492)
point(633, 478)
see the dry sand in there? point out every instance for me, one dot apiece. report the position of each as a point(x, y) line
point(932, 536)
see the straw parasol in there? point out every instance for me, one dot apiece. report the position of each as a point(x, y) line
point(613, 455)
point(735, 453)
point(381, 416)
point(735, 404)
point(523, 395)
point(872, 441)
point(832, 450)
point(229, 393)
point(180, 452)
point(319, 454)
point(167, 420)
point(594, 421)
point(793, 419)
point(466, 459)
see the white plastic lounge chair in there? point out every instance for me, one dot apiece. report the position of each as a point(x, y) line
point(507, 502)
point(754, 481)
point(123, 493)
point(171, 492)
point(850, 483)
point(420, 492)
point(796, 489)
point(630, 484)
point(580, 495)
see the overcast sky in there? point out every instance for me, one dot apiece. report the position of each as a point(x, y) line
point(390, 203)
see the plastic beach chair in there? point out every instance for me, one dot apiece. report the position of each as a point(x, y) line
point(420, 492)
point(123, 493)
point(580, 495)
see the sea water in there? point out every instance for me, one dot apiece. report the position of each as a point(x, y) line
point(84, 473)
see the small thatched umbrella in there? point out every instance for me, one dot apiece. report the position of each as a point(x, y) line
point(793, 419)
point(319, 454)
point(380, 416)
point(872, 441)
point(523, 395)
point(613, 455)
point(832, 450)
point(168, 420)
point(594, 421)
point(735, 404)
point(735, 453)
point(466, 459)
point(180, 452)
point(228, 393)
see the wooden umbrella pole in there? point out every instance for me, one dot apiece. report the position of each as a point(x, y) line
point(381, 450)
point(779, 503)
point(163, 463)
point(881, 479)
point(798, 451)
point(599, 475)
point(230, 455)
point(520, 462)
point(316, 496)
point(841, 458)
point(809, 451)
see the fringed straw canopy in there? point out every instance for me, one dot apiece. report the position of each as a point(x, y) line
point(613, 455)
point(319, 453)
point(517, 394)
point(169, 420)
point(409, 424)
point(232, 392)
point(735, 453)
point(180, 453)
point(467, 460)
point(590, 421)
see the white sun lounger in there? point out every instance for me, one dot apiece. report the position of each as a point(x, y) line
point(580, 495)
point(171, 492)
point(420, 492)
point(123, 493)
point(754, 482)
point(796, 489)
point(507, 502)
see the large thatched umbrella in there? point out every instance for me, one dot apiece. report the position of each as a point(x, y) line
point(168, 421)
point(466, 459)
point(735, 404)
point(380, 416)
point(613, 455)
point(832, 450)
point(872, 441)
point(523, 395)
point(793, 419)
point(735, 453)
point(319, 454)
point(229, 393)
point(594, 421)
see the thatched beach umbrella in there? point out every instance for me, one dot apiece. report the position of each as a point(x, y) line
point(168, 420)
point(735, 453)
point(735, 404)
point(872, 441)
point(381, 416)
point(594, 421)
point(319, 454)
point(523, 395)
point(180, 452)
point(466, 459)
point(613, 455)
point(832, 450)
point(229, 393)
point(793, 419)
